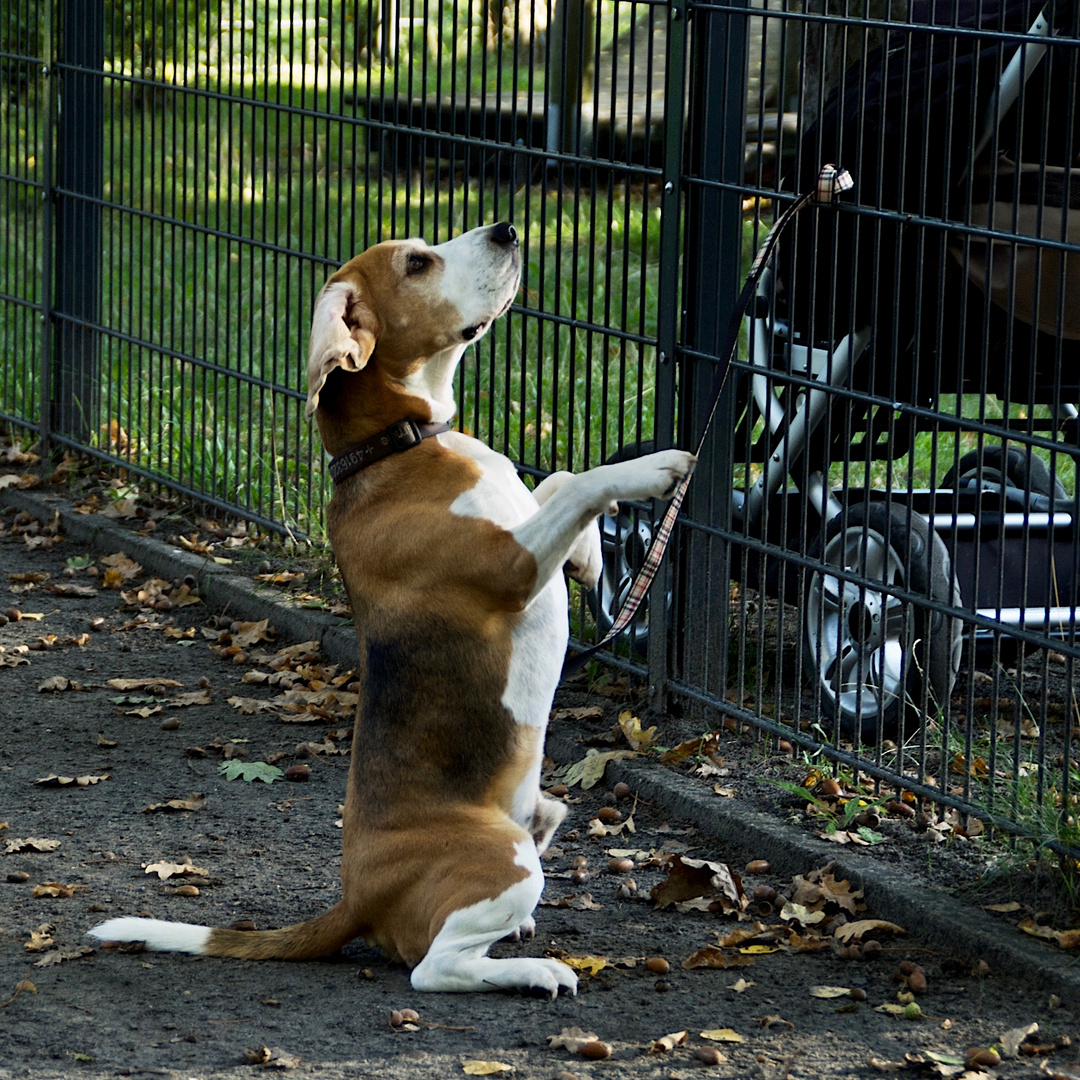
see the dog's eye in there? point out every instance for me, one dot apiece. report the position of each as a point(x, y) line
point(416, 263)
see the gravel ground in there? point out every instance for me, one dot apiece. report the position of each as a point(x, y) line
point(268, 852)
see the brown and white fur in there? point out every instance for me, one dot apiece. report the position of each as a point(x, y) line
point(454, 570)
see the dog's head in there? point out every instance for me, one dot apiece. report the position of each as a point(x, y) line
point(407, 302)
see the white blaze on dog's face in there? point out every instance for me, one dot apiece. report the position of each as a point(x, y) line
point(417, 306)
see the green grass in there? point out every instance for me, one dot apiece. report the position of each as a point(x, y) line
point(222, 220)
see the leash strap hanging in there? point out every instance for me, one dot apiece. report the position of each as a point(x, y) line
point(831, 182)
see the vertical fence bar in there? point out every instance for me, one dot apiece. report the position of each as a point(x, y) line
point(79, 165)
point(712, 247)
point(667, 320)
point(48, 84)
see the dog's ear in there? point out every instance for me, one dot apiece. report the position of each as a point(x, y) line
point(343, 334)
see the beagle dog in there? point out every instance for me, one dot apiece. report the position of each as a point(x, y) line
point(454, 570)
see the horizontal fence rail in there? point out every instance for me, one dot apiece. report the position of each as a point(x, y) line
point(878, 558)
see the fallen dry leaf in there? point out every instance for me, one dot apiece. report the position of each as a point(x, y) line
point(636, 736)
point(195, 801)
point(166, 870)
point(52, 780)
point(65, 588)
point(572, 1039)
point(193, 697)
point(1066, 939)
point(1011, 1040)
point(250, 706)
point(690, 878)
point(725, 1035)
point(855, 931)
point(575, 901)
point(145, 712)
point(669, 1042)
point(581, 712)
point(591, 965)
point(141, 684)
point(270, 1058)
point(485, 1068)
point(819, 887)
point(246, 634)
point(740, 986)
point(703, 746)
point(123, 567)
point(52, 889)
point(41, 939)
point(31, 843)
point(33, 578)
point(58, 684)
point(598, 830)
point(801, 914)
point(883, 1065)
point(713, 957)
point(57, 957)
point(892, 1008)
point(829, 991)
point(775, 1021)
point(590, 769)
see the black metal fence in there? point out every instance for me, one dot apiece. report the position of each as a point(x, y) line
point(879, 556)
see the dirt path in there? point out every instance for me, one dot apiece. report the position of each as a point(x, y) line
point(269, 853)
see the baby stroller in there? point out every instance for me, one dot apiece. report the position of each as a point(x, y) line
point(958, 272)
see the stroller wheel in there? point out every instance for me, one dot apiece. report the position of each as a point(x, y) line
point(882, 663)
point(625, 541)
point(1005, 467)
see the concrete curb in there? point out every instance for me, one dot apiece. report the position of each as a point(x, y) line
point(941, 921)
point(219, 587)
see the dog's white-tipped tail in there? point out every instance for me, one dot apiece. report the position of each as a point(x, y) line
point(156, 934)
point(320, 936)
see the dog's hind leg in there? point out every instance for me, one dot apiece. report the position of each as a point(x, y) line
point(548, 817)
point(456, 960)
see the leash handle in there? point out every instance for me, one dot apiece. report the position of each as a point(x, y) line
point(832, 181)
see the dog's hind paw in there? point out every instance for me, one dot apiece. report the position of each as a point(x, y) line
point(586, 560)
point(526, 930)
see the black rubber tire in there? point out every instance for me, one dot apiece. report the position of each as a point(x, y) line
point(879, 663)
point(1013, 467)
point(625, 542)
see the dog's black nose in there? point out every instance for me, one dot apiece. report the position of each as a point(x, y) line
point(504, 233)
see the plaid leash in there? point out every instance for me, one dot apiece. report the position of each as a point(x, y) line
point(832, 181)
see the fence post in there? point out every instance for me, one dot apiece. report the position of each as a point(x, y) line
point(712, 261)
point(76, 308)
point(667, 324)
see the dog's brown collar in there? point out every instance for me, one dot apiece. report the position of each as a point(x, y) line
point(397, 437)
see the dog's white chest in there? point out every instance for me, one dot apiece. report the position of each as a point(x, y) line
point(539, 638)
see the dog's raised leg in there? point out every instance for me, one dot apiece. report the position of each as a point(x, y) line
point(456, 960)
point(571, 503)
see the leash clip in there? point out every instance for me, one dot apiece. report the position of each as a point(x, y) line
point(831, 182)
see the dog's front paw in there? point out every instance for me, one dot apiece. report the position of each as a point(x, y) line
point(654, 476)
point(669, 468)
point(586, 560)
point(538, 975)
